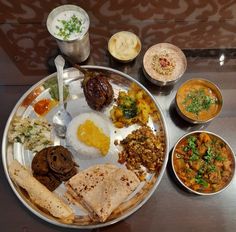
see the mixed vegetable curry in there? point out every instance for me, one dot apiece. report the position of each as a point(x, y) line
point(203, 162)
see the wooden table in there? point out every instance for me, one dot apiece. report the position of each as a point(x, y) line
point(205, 32)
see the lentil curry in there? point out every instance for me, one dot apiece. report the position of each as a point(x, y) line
point(203, 162)
point(198, 101)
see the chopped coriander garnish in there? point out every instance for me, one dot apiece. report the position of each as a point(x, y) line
point(129, 107)
point(197, 100)
point(194, 157)
point(209, 155)
point(201, 181)
point(68, 27)
point(219, 158)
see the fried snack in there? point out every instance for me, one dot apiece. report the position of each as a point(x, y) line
point(53, 165)
point(39, 194)
point(60, 159)
point(66, 176)
point(40, 163)
point(49, 180)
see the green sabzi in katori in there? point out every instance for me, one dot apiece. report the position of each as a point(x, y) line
point(197, 100)
point(206, 161)
point(68, 27)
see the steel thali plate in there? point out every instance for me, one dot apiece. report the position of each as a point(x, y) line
point(76, 104)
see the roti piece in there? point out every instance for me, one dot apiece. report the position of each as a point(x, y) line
point(90, 177)
point(101, 189)
point(39, 194)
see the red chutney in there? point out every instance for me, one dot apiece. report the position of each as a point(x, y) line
point(43, 106)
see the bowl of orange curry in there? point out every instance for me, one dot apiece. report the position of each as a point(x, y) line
point(203, 162)
point(198, 101)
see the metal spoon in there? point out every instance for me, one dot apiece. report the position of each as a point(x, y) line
point(62, 118)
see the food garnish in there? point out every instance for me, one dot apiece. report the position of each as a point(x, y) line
point(203, 162)
point(39, 194)
point(134, 106)
point(34, 134)
point(142, 152)
point(92, 135)
point(100, 189)
point(43, 106)
point(163, 63)
point(198, 100)
point(67, 27)
point(98, 91)
point(52, 165)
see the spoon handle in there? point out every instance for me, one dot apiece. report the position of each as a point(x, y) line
point(60, 62)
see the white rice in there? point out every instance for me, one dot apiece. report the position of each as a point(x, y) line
point(84, 151)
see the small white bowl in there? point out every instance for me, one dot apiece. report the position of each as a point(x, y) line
point(124, 46)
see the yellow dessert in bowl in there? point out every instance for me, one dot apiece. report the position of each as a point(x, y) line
point(124, 46)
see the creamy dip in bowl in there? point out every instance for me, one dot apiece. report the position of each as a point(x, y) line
point(164, 64)
point(124, 46)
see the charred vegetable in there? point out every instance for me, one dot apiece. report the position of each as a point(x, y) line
point(97, 90)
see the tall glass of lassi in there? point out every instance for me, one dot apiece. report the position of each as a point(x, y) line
point(69, 25)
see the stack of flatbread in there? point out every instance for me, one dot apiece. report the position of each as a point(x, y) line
point(100, 189)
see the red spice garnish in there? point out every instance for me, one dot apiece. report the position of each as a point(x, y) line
point(164, 62)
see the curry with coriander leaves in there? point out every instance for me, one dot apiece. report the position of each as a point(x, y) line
point(199, 100)
point(203, 162)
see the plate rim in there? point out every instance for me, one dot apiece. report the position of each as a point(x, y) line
point(92, 226)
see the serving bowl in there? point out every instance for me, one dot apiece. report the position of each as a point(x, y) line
point(124, 46)
point(198, 101)
point(203, 162)
point(164, 64)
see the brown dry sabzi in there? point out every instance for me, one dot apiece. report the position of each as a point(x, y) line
point(142, 148)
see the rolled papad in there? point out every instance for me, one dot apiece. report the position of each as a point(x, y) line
point(39, 194)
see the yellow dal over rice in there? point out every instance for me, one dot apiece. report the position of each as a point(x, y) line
point(93, 136)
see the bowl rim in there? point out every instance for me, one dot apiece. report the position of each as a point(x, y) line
point(182, 183)
point(195, 121)
point(124, 60)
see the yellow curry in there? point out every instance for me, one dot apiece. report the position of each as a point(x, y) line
point(203, 162)
point(198, 101)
